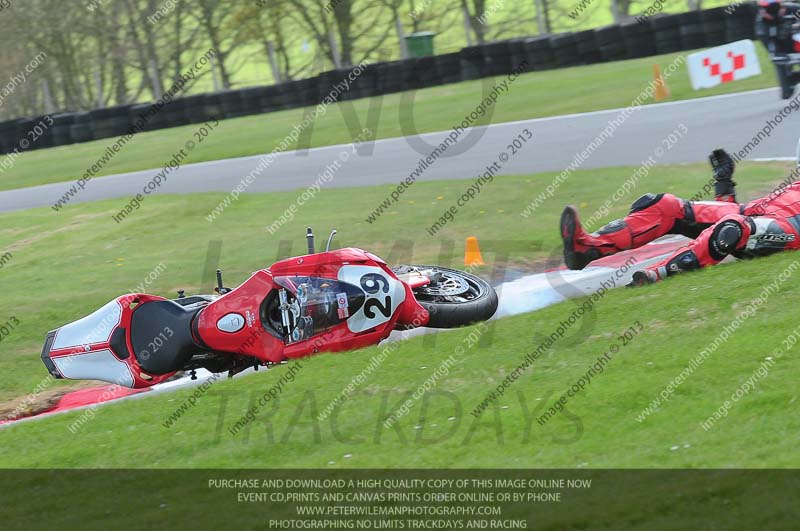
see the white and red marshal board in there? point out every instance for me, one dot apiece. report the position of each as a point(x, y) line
point(723, 64)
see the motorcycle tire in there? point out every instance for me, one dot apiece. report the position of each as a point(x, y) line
point(456, 298)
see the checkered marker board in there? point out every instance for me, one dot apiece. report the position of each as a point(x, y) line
point(723, 64)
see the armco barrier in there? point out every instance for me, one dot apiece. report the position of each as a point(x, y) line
point(641, 37)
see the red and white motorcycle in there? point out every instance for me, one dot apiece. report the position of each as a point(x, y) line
point(320, 302)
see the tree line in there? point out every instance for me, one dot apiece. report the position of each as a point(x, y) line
point(112, 52)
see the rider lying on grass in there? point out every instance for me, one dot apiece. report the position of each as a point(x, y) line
point(718, 228)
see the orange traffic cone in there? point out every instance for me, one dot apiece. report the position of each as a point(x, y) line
point(472, 255)
point(662, 91)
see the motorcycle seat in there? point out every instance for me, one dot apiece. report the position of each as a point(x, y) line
point(161, 336)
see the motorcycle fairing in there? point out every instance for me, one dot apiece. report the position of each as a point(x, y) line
point(319, 304)
point(98, 346)
point(363, 301)
point(383, 295)
point(245, 301)
point(403, 307)
point(95, 365)
point(94, 328)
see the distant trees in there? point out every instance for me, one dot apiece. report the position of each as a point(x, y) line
point(111, 52)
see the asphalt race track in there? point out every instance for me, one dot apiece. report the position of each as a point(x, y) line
point(728, 121)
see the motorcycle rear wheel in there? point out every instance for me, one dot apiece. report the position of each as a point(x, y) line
point(454, 298)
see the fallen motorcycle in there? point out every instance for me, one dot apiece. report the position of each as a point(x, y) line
point(320, 302)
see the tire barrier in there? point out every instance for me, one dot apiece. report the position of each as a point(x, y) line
point(588, 49)
point(497, 56)
point(81, 129)
point(666, 33)
point(635, 38)
point(20, 141)
point(448, 67)
point(714, 25)
point(739, 24)
point(473, 63)
point(111, 121)
point(565, 49)
point(539, 53)
point(692, 33)
point(8, 131)
point(638, 39)
point(194, 109)
point(611, 44)
point(62, 128)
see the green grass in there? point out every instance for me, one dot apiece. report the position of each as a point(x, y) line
point(600, 433)
point(534, 95)
point(66, 265)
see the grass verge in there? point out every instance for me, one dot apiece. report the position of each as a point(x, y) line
point(60, 271)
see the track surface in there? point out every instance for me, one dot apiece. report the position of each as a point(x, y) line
point(729, 121)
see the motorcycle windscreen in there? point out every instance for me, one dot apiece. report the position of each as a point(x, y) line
point(90, 348)
point(319, 304)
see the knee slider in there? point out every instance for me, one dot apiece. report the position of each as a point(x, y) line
point(724, 239)
point(612, 226)
point(647, 200)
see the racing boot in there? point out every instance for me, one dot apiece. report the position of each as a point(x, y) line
point(651, 216)
point(722, 166)
point(581, 248)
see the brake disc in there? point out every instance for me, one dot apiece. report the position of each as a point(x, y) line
point(447, 286)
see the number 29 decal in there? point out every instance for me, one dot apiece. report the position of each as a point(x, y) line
point(377, 285)
point(383, 294)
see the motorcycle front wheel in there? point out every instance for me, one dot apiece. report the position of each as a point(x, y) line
point(453, 298)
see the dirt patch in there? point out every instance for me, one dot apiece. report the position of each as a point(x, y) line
point(30, 405)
